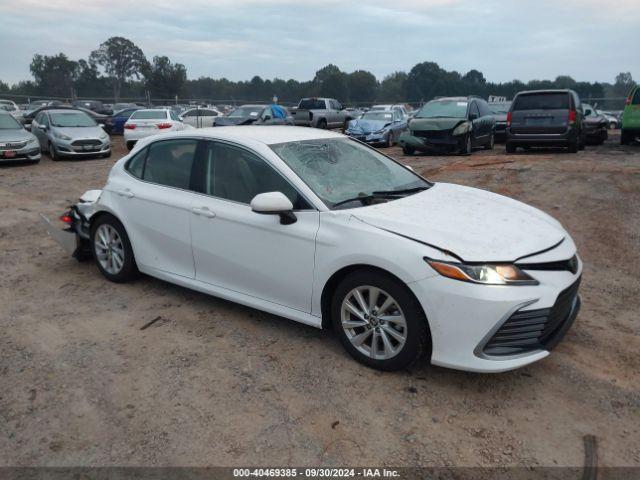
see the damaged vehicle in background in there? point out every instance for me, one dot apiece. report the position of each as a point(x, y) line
point(16, 143)
point(499, 110)
point(70, 134)
point(319, 228)
point(379, 127)
point(256, 115)
point(595, 126)
point(448, 125)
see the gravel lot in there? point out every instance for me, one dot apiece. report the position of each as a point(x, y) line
point(214, 383)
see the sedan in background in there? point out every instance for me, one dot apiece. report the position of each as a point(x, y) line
point(145, 122)
point(16, 143)
point(114, 125)
point(256, 115)
point(379, 127)
point(595, 126)
point(71, 134)
point(319, 228)
point(499, 110)
point(29, 116)
point(200, 117)
point(452, 124)
point(93, 105)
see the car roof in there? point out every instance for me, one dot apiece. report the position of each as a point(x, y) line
point(266, 134)
point(550, 90)
point(63, 110)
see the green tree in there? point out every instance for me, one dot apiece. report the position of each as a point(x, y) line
point(121, 59)
point(164, 79)
point(54, 75)
point(362, 86)
point(393, 88)
point(623, 84)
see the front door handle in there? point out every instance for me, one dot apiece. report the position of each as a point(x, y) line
point(126, 193)
point(204, 211)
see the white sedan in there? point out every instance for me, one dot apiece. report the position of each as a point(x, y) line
point(200, 117)
point(324, 230)
point(147, 122)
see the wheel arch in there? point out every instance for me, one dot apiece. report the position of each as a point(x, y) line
point(335, 279)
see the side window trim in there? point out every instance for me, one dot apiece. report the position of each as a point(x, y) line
point(201, 166)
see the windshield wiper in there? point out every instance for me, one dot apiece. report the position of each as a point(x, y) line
point(367, 199)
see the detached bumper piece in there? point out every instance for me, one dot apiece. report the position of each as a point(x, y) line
point(530, 330)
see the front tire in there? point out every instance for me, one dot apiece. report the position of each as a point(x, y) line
point(407, 150)
point(379, 321)
point(322, 124)
point(52, 153)
point(112, 250)
point(467, 146)
point(389, 142)
point(491, 143)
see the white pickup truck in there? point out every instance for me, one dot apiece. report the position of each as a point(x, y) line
point(321, 113)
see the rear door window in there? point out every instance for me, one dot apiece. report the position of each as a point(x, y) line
point(311, 104)
point(169, 162)
point(636, 97)
point(542, 101)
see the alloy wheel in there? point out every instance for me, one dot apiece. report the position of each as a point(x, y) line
point(109, 249)
point(373, 322)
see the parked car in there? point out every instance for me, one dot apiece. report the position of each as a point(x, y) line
point(16, 143)
point(12, 108)
point(114, 125)
point(378, 127)
point(27, 118)
point(321, 113)
point(200, 117)
point(612, 121)
point(256, 115)
point(631, 117)
point(388, 107)
point(595, 126)
point(499, 110)
point(545, 118)
point(93, 105)
point(145, 122)
point(450, 124)
point(71, 134)
point(318, 228)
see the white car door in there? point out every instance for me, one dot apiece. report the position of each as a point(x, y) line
point(156, 208)
point(251, 253)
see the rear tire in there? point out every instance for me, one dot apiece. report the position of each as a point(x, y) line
point(389, 339)
point(613, 125)
point(510, 147)
point(407, 150)
point(112, 250)
point(322, 124)
point(574, 146)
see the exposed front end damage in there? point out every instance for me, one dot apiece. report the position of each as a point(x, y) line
point(74, 238)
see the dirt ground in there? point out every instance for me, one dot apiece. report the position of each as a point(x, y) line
point(214, 383)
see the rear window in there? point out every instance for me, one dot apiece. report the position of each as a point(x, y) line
point(542, 101)
point(312, 104)
point(149, 115)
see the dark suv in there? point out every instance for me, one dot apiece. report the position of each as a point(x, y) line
point(545, 118)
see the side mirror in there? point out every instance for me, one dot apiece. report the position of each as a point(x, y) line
point(274, 203)
point(267, 117)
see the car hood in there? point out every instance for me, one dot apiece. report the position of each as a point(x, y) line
point(474, 225)
point(435, 123)
point(368, 125)
point(80, 133)
point(15, 135)
point(227, 121)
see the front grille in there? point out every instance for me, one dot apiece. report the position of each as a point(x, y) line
point(12, 145)
point(541, 329)
point(570, 265)
point(90, 143)
point(432, 134)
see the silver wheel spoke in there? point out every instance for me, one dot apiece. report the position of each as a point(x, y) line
point(351, 307)
point(360, 300)
point(373, 297)
point(360, 338)
point(385, 306)
point(397, 319)
point(388, 348)
point(393, 333)
point(352, 324)
point(374, 344)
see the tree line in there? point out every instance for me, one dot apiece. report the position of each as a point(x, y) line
point(118, 69)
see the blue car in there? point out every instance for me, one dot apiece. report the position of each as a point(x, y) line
point(380, 127)
point(114, 125)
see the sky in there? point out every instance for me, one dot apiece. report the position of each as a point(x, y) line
point(591, 40)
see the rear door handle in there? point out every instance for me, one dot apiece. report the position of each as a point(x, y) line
point(126, 193)
point(204, 211)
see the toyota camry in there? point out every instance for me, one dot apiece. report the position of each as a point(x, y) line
point(322, 229)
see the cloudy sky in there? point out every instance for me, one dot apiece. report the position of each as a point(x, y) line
point(525, 39)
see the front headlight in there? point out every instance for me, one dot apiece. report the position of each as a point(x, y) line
point(104, 136)
point(462, 128)
point(487, 274)
point(61, 136)
point(32, 141)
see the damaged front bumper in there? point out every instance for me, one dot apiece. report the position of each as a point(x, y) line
point(75, 238)
point(441, 143)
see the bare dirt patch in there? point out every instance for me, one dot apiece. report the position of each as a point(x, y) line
point(214, 383)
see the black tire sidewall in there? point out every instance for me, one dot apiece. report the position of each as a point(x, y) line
point(129, 269)
point(418, 339)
